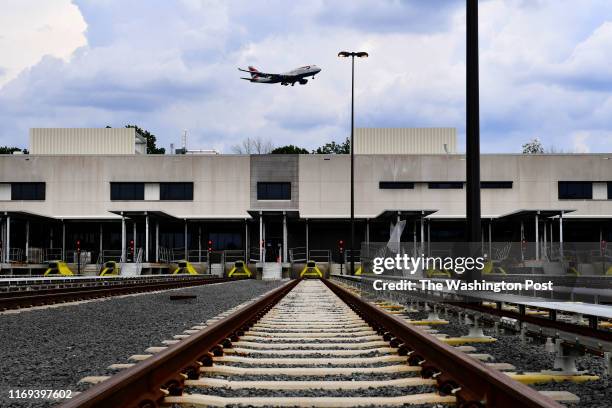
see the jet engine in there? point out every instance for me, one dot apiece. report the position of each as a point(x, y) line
point(303, 81)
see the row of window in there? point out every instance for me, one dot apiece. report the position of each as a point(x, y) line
point(583, 190)
point(27, 191)
point(167, 191)
point(274, 190)
point(183, 191)
point(442, 185)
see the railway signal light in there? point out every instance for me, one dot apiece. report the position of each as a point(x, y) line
point(210, 245)
point(341, 246)
point(78, 245)
point(131, 246)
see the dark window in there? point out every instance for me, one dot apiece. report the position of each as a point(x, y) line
point(576, 189)
point(395, 185)
point(495, 184)
point(446, 185)
point(273, 191)
point(225, 240)
point(176, 191)
point(127, 191)
point(609, 190)
point(27, 191)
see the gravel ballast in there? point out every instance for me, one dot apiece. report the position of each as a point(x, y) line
point(531, 357)
point(54, 348)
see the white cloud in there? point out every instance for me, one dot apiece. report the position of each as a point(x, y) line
point(167, 66)
point(31, 29)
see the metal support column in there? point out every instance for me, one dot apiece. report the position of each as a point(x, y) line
point(134, 239)
point(428, 237)
point(551, 234)
point(284, 237)
point(123, 238)
point(8, 238)
point(537, 236)
point(156, 241)
point(261, 243)
point(414, 238)
point(199, 243)
point(27, 241)
point(367, 234)
point(545, 252)
point(422, 234)
point(561, 235)
point(490, 241)
point(101, 246)
point(307, 239)
point(63, 241)
point(147, 238)
point(51, 237)
point(522, 239)
point(246, 240)
point(186, 257)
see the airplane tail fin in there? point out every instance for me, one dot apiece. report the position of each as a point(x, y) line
point(253, 71)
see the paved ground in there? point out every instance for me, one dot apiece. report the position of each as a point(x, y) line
point(55, 348)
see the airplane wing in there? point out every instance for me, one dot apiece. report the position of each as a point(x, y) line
point(265, 74)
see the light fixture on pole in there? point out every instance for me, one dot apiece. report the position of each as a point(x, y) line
point(346, 54)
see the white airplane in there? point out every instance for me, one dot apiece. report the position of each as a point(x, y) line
point(297, 75)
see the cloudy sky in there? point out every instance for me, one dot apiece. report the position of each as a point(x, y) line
point(546, 69)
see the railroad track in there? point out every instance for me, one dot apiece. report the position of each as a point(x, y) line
point(310, 343)
point(69, 293)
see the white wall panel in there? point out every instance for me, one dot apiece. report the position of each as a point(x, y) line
point(82, 141)
point(405, 140)
point(151, 192)
point(5, 191)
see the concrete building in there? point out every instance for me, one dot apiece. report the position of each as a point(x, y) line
point(272, 206)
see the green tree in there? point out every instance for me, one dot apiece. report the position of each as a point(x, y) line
point(10, 150)
point(289, 149)
point(533, 147)
point(151, 140)
point(334, 148)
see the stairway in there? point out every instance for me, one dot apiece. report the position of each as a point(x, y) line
point(90, 270)
point(272, 271)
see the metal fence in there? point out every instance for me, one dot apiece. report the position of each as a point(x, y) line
point(298, 255)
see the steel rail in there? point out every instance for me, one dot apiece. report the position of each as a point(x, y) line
point(15, 300)
point(474, 384)
point(148, 382)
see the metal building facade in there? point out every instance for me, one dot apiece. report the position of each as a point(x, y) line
point(86, 141)
point(405, 140)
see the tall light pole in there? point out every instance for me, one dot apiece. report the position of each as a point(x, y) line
point(346, 54)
